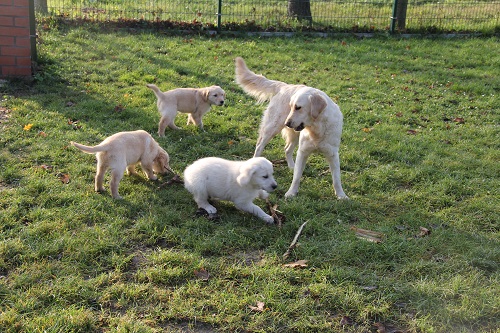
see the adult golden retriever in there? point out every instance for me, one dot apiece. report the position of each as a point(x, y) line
point(237, 181)
point(194, 101)
point(122, 151)
point(306, 117)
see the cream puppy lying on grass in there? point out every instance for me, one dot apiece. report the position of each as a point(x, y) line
point(122, 151)
point(194, 101)
point(237, 181)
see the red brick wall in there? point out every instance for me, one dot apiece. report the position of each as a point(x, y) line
point(16, 51)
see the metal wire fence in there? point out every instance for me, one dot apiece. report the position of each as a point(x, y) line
point(274, 15)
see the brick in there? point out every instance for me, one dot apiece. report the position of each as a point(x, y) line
point(22, 42)
point(6, 2)
point(6, 21)
point(21, 3)
point(23, 61)
point(14, 31)
point(6, 61)
point(16, 71)
point(15, 51)
point(21, 22)
point(7, 40)
point(15, 11)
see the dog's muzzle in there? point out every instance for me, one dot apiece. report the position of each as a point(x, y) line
point(298, 128)
point(221, 103)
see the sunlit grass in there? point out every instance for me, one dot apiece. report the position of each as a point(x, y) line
point(419, 149)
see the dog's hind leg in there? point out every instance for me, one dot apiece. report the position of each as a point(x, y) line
point(116, 176)
point(99, 177)
point(266, 133)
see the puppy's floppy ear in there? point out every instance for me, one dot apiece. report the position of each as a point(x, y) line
point(246, 172)
point(204, 93)
point(318, 104)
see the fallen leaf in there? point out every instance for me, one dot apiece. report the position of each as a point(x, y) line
point(64, 177)
point(411, 132)
point(74, 124)
point(369, 235)
point(202, 274)
point(46, 167)
point(118, 108)
point(380, 327)
point(424, 232)
point(42, 134)
point(369, 288)
point(298, 264)
point(459, 120)
point(259, 308)
point(399, 114)
point(27, 127)
point(367, 130)
point(346, 321)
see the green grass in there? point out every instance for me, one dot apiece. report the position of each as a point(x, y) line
point(72, 260)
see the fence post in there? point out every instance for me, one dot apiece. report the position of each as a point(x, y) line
point(398, 15)
point(219, 14)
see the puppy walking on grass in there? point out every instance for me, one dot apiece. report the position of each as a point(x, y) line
point(195, 102)
point(122, 151)
point(237, 181)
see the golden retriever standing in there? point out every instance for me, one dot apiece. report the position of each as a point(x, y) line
point(237, 181)
point(312, 120)
point(194, 101)
point(122, 151)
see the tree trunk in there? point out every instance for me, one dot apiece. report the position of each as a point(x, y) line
point(300, 9)
point(41, 6)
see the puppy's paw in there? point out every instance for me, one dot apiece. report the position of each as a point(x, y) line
point(269, 219)
point(343, 197)
point(210, 216)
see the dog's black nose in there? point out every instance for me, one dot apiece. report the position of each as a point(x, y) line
point(288, 124)
point(221, 103)
point(274, 186)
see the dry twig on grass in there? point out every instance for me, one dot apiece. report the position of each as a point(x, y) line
point(294, 242)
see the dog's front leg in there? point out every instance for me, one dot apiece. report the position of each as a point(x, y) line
point(255, 210)
point(302, 156)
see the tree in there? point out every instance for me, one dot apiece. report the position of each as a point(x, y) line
point(41, 6)
point(300, 9)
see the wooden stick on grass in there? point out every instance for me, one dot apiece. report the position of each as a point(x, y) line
point(294, 242)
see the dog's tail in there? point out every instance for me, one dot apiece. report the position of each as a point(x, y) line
point(89, 149)
point(156, 90)
point(256, 85)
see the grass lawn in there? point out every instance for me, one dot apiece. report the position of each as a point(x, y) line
point(419, 158)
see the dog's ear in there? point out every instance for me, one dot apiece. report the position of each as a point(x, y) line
point(204, 94)
point(318, 104)
point(246, 172)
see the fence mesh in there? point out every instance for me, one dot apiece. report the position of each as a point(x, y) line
point(274, 15)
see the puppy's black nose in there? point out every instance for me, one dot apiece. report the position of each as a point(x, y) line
point(288, 124)
point(221, 103)
point(274, 186)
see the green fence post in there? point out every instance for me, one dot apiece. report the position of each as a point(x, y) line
point(393, 17)
point(219, 14)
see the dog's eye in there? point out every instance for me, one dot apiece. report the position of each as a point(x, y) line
point(266, 176)
point(215, 95)
point(297, 107)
